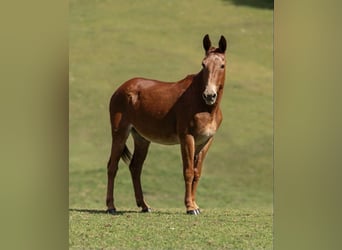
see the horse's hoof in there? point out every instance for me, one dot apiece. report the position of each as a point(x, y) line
point(193, 212)
point(111, 211)
point(146, 210)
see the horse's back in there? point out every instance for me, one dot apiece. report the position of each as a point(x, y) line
point(149, 91)
point(151, 85)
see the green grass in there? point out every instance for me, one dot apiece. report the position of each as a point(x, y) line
point(111, 42)
point(172, 229)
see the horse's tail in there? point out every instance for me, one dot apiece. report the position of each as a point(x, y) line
point(126, 155)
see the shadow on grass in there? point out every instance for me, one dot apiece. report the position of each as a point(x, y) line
point(265, 4)
point(97, 211)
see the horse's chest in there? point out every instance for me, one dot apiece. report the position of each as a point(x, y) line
point(204, 126)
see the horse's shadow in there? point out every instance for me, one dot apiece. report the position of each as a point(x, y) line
point(123, 212)
point(97, 211)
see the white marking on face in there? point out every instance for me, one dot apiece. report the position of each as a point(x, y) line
point(211, 88)
point(213, 64)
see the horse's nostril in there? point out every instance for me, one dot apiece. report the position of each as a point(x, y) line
point(210, 99)
point(211, 96)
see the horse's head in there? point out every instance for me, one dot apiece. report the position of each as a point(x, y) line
point(213, 69)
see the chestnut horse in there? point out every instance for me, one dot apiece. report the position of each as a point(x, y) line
point(186, 112)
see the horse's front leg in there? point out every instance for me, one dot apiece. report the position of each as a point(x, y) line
point(199, 158)
point(188, 153)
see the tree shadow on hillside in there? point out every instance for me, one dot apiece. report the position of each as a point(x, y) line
point(264, 4)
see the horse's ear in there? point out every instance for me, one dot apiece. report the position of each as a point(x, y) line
point(223, 44)
point(206, 43)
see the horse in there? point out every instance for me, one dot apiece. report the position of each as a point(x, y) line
point(186, 112)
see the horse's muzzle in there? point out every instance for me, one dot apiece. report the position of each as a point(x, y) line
point(209, 98)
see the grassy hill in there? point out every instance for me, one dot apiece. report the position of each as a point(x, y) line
point(112, 41)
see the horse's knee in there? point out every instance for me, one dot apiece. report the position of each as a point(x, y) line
point(189, 174)
point(197, 175)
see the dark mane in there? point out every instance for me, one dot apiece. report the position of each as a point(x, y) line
point(214, 50)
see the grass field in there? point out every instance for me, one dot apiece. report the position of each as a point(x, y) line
point(111, 42)
point(172, 229)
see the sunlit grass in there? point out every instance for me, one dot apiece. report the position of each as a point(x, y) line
point(172, 229)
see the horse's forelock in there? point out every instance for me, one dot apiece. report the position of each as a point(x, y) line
point(214, 50)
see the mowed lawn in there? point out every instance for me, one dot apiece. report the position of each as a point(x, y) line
point(111, 42)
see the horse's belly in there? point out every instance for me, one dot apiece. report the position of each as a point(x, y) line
point(163, 140)
point(161, 135)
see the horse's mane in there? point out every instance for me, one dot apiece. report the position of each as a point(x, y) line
point(214, 50)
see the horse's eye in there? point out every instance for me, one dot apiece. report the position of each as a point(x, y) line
point(222, 66)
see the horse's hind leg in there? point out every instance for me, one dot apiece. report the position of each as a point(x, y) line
point(119, 137)
point(141, 146)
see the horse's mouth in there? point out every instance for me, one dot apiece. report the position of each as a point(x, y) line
point(210, 102)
